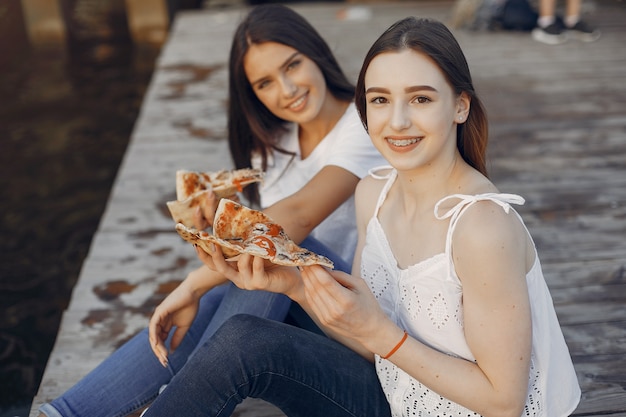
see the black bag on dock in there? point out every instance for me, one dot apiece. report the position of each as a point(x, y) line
point(518, 15)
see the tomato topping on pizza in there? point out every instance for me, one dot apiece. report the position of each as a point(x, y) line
point(264, 243)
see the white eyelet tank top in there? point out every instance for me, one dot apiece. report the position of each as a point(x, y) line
point(426, 300)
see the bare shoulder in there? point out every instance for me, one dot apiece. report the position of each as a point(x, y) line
point(486, 229)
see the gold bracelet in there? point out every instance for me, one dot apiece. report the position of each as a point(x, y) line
point(387, 356)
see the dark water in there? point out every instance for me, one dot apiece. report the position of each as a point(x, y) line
point(66, 115)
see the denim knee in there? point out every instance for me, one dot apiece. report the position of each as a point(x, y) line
point(244, 331)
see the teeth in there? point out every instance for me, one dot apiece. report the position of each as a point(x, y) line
point(405, 142)
point(297, 102)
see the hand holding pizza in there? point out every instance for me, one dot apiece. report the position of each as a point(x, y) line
point(205, 211)
point(343, 305)
point(254, 273)
point(204, 214)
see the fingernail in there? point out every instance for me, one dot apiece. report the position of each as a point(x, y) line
point(212, 247)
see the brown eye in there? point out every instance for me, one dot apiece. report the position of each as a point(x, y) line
point(293, 64)
point(261, 85)
point(378, 100)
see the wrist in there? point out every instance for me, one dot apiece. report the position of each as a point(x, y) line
point(386, 342)
point(190, 286)
point(396, 347)
point(201, 280)
point(296, 291)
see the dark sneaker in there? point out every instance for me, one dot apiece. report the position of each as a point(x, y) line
point(553, 34)
point(583, 32)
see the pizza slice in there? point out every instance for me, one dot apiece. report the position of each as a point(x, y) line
point(223, 183)
point(239, 229)
point(193, 188)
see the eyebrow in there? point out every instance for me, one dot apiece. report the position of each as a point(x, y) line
point(411, 89)
point(282, 66)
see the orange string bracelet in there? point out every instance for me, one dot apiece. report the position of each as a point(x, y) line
point(387, 356)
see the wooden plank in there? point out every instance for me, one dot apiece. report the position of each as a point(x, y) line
point(603, 383)
point(578, 272)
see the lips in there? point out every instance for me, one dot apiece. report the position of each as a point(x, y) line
point(298, 104)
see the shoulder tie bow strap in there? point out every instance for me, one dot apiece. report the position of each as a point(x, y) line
point(503, 200)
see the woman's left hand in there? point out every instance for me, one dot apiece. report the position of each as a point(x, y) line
point(342, 303)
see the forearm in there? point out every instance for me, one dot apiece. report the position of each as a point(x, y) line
point(293, 218)
point(304, 210)
point(457, 379)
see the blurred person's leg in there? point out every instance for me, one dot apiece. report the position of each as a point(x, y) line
point(576, 27)
point(549, 29)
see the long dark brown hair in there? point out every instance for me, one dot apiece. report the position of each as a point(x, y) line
point(433, 38)
point(252, 128)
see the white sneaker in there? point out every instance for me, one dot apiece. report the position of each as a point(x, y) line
point(553, 34)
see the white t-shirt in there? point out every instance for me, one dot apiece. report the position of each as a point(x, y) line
point(347, 146)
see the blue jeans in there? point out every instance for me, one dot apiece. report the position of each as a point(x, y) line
point(130, 378)
point(302, 373)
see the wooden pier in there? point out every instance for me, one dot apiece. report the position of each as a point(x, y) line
point(558, 138)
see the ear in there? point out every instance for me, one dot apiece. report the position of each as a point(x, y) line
point(463, 102)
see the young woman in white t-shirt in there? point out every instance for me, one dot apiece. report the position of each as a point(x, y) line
point(447, 312)
point(291, 113)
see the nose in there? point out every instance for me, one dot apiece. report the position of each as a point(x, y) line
point(400, 118)
point(289, 88)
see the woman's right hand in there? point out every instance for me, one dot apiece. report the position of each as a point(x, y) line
point(178, 310)
point(205, 212)
point(254, 273)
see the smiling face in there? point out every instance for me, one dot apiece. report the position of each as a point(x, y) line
point(287, 82)
point(412, 112)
